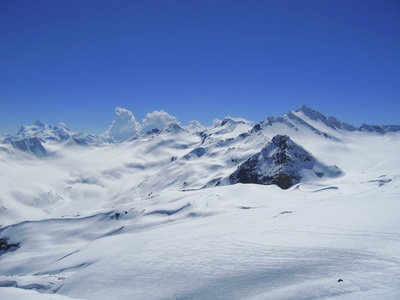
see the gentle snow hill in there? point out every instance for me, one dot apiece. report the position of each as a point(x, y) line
point(161, 215)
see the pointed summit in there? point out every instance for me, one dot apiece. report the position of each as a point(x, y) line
point(229, 121)
point(314, 115)
point(173, 128)
point(308, 111)
point(41, 124)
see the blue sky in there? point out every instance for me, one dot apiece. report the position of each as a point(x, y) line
point(75, 61)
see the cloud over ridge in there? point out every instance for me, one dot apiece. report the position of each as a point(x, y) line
point(157, 119)
point(126, 125)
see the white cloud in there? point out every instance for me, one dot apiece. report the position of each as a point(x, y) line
point(195, 126)
point(216, 122)
point(124, 126)
point(157, 119)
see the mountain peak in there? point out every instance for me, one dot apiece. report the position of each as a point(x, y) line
point(233, 121)
point(304, 108)
point(311, 113)
point(173, 128)
point(332, 122)
point(29, 137)
point(228, 120)
point(40, 124)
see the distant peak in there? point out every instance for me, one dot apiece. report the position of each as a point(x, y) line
point(382, 129)
point(62, 125)
point(303, 108)
point(227, 120)
point(40, 123)
point(230, 120)
point(313, 114)
point(308, 111)
point(174, 128)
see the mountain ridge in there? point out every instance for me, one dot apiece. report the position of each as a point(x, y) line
point(294, 118)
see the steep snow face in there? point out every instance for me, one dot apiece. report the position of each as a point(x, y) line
point(30, 145)
point(281, 162)
point(331, 122)
point(306, 119)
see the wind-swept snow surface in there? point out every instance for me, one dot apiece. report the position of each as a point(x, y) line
point(147, 219)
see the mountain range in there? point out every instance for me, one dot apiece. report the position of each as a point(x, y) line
point(277, 210)
point(303, 116)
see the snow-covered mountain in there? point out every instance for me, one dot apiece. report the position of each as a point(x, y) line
point(281, 209)
point(317, 122)
point(33, 138)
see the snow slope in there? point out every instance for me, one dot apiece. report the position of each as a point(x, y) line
point(146, 219)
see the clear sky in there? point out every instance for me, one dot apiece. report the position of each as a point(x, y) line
point(75, 61)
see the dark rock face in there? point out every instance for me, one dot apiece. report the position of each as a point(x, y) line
point(245, 173)
point(283, 181)
point(195, 153)
point(280, 162)
point(153, 131)
point(6, 246)
point(256, 128)
point(30, 145)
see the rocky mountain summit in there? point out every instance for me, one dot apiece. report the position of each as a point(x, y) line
point(281, 162)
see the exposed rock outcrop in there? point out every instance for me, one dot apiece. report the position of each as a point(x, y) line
point(281, 162)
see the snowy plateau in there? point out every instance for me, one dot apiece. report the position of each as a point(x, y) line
point(301, 206)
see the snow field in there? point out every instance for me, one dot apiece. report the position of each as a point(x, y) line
point(241, 241)
point(133, 220)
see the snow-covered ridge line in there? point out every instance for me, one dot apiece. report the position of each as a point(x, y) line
point(50, 134)
point(159, 120)
point(42, 139)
